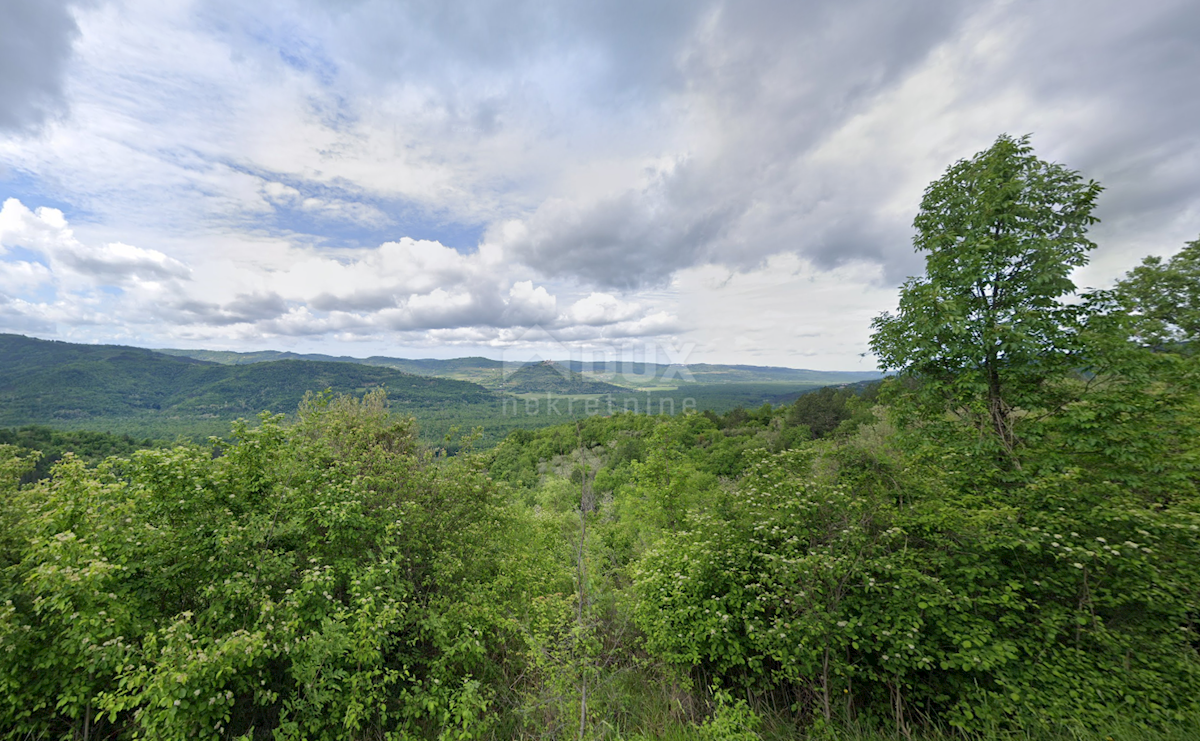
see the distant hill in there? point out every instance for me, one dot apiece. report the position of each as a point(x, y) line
point(428, 365)
point(550, 377)
point(708, 373)
point(483, 371)
point(44, 382)
point(655, 374)
point(490, 373)
point(149, 394)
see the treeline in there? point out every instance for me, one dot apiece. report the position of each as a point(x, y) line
point(127, 389)
point(1001, 541)
point(50, 445)
point(142, 393)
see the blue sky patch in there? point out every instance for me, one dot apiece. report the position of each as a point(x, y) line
point(35, 193)
point(17, 253)
point(339, 215)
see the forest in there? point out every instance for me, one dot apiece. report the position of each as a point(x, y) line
point(192, 395)
point(998, 541)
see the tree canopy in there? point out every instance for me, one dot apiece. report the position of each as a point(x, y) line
point(1162, 298)
point(986, 324)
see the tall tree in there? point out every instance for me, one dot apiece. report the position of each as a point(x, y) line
point(985, 326)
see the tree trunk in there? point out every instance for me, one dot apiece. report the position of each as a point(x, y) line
point(1000, 413)
point(825, 700)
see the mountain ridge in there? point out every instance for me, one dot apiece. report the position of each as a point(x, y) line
point(146, 393)
point(48, 380)
point(494, 373)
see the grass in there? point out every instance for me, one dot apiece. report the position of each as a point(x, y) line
point(689, 732)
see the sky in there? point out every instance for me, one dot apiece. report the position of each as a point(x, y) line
point(688, 181)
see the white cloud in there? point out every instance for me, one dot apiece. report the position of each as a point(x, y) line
point(19, 276)
point(787, 313)
point(119, 264)
point(46, 231)
point(598, 309)
point(35, 44)
point(285, 196)
point(417, 290)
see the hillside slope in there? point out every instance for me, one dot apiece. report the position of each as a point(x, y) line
point(491, 373)
point(483, 371)
point(550, 377)
point(44, 381)
point(147, 394)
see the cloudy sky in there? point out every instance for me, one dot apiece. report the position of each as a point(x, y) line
point(724, 181)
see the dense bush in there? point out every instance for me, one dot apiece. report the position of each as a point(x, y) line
point(318, 580)
point(904, 599)
point(51, 444)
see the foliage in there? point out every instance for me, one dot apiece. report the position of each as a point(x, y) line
point(906, 598)
point(825, 410)
point(1163, 298)
point(984, 327)
point(319, 579)
point(894, 577)
point(91, 447)
point(731, 721)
